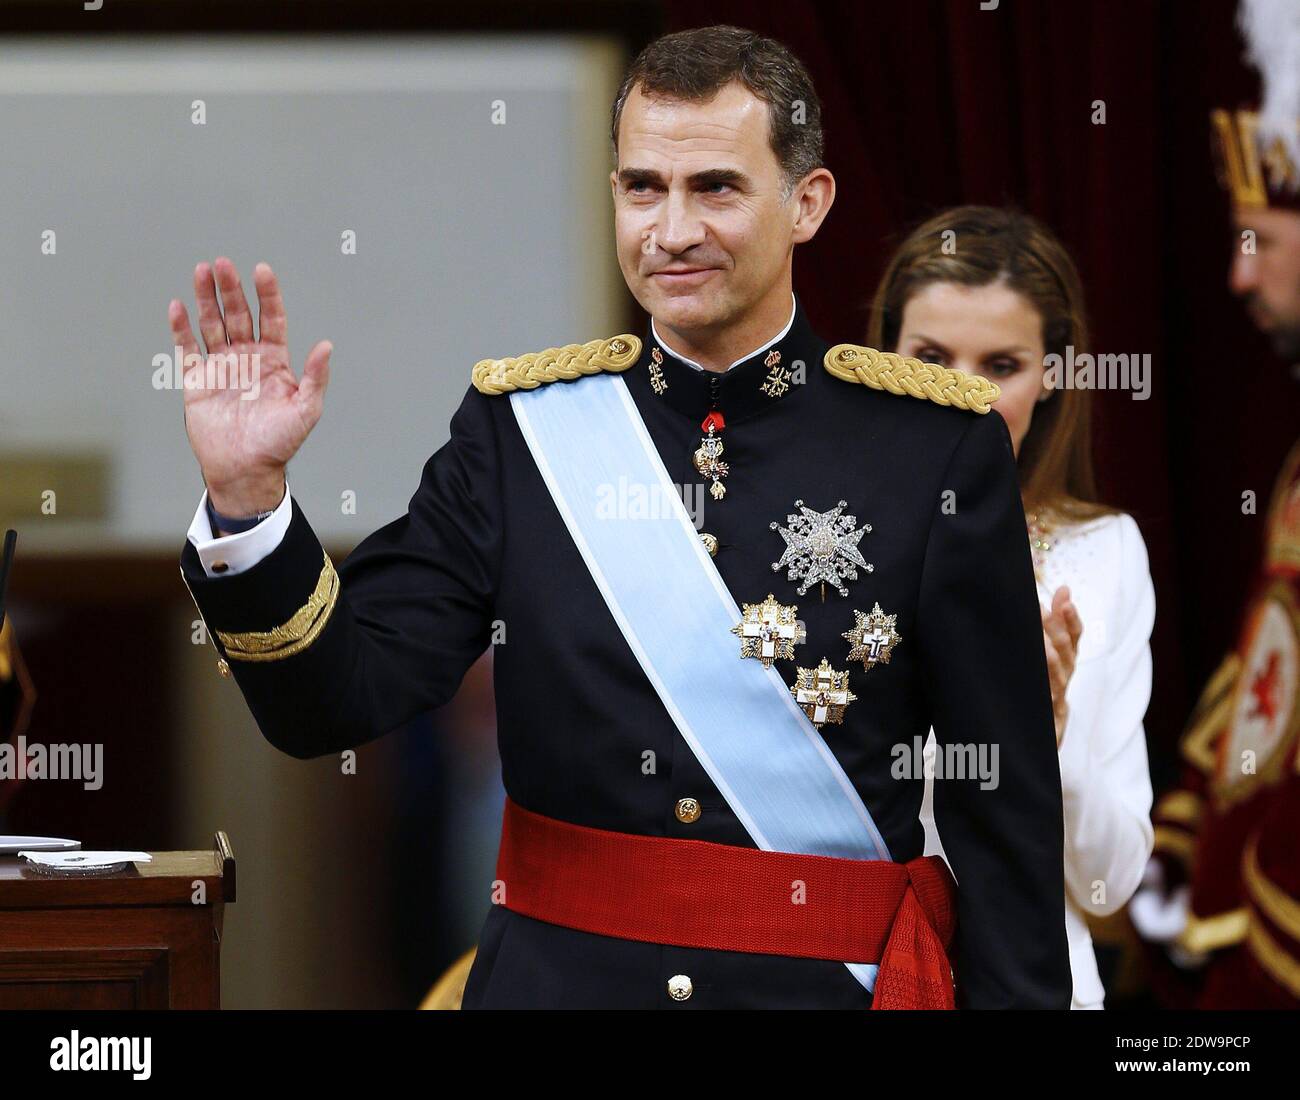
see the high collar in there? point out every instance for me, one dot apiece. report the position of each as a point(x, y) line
point(794, 308)
point(766, 378)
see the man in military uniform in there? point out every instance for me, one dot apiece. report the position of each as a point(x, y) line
point(709, 724)
point(1222, 890)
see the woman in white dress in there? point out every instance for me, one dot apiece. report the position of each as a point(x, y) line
point(991, 291)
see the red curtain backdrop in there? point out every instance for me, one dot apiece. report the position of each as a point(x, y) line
point(931, 103)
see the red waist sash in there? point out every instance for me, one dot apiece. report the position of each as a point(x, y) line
point(695, 893)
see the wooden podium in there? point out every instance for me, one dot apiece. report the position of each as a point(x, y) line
point(146, 937)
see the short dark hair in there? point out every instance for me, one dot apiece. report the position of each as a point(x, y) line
point(695, 65)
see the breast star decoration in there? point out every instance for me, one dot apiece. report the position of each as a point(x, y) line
point(873, 637)
point(821, 547)
point(823, 693)
point(769, 631)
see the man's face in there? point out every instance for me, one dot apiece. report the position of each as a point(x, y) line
point(1265, 273)
point(702, 232)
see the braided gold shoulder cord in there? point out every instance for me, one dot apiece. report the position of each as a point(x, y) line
point(902, 375)
point(527, 372)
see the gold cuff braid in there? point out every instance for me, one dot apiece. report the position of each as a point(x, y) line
point(883, 370)
point(527, 372)
point(293, 636)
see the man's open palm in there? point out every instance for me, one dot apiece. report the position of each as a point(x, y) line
point(243, 444)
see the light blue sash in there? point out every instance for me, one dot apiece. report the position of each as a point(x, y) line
point(632, 529)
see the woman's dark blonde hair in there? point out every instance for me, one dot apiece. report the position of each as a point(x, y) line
point(1001, 245)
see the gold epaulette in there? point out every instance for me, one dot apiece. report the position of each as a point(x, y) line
point(527, 372)
point(883, 370)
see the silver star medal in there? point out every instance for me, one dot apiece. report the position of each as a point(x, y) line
point(822, 546)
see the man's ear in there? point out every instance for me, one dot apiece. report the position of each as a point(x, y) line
point(613, 183)
point(814, 196)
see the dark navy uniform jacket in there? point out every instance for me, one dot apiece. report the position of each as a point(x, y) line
point(483, 545)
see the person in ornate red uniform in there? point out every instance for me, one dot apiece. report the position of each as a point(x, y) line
point(1222, 890)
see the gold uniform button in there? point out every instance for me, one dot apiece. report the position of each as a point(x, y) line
point(687, 810)
point(710, 543)
point(679, 987)
point(223, 668)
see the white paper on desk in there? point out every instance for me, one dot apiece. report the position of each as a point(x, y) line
point(84, 861)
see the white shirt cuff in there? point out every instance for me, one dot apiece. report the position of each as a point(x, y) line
point(224, 557)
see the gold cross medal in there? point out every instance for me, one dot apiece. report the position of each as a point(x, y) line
point(873, 638)
point(823, 693)
point(769, 631)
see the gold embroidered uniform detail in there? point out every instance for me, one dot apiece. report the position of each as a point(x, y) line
point(1212, 933)
point(1177, 815)
point(1284, 516)
point(527, 372)
point(1173, 840)
point(1266, 896)
point(778, 378)
point(1271, 901)
point(1246, 171)
point(293, 636)
point(1280, 965)
point(1211, 716)
point(1180, 807)
point(883, 370)
point(657, 381)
